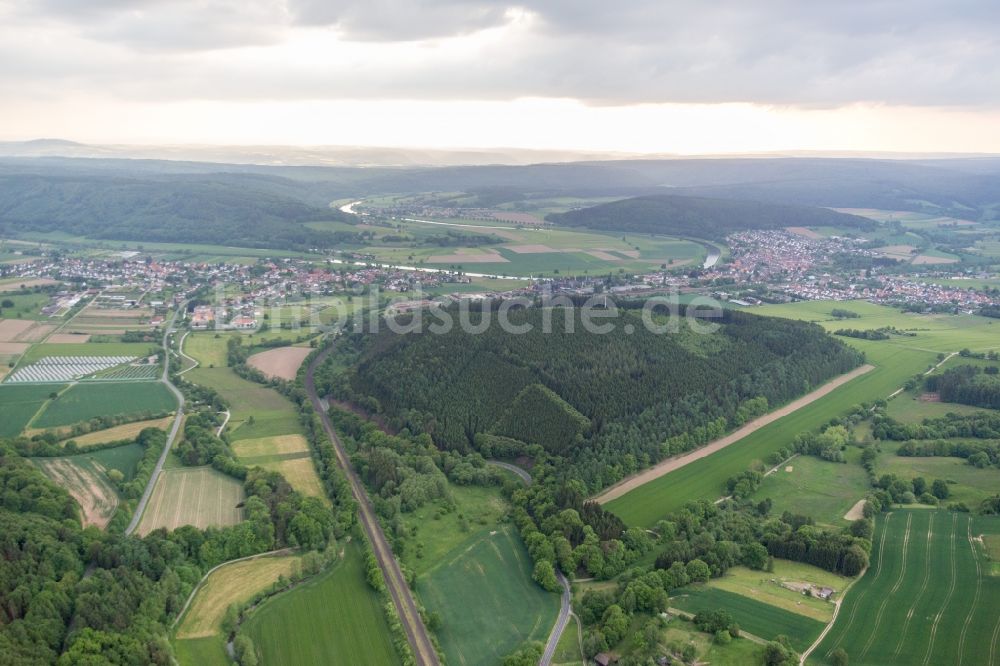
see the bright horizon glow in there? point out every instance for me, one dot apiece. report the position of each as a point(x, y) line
point(530, 123)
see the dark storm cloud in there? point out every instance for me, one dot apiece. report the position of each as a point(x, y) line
point(779, 51)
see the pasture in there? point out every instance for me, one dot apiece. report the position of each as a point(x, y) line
point(966, 482)
point(486, 599)
point(758, 618)
point(230, 584)
point(334, 618)
point(783, 587)
point(435, 531)
point(82, 402)
point(927, 597)
point(19, 404)
point(909, 408)
point(198, 496)
point(814, 487)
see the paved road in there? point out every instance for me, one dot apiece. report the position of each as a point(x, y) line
point(565, 608)
point(171, 436)
point(557, 631)
point(406, 608)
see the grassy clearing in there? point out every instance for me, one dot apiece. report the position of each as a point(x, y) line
point(927, 598)
point(758, 618)
point(201, 652)
point(19, 404)
point(83, 402)
point(908, 408)
point(967, 483)
point(817, 488)
point(230, 584)
point(198, 496)
point(737, 653)
point(782, 587)
point(435, 531)
point(207, 348)
point(334, 618)
point(487, 601)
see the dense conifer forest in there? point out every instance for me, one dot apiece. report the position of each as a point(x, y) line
point(610, 404)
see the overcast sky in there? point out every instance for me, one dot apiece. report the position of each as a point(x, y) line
point(633, 75)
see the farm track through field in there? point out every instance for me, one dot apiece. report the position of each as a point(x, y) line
point(878, 572)
point(994, 641)
point(895, 588)
point(923, 586)
point(402, 597)
point(975, 599)
point(947, 599)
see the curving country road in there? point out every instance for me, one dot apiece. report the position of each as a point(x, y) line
point(565, 608)
point(406, 608)
point(171, 436)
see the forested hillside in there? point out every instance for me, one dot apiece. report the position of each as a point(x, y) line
point(244, 212)
point(701, 218)
point(610, 404)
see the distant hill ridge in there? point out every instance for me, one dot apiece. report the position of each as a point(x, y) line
point(702, 217)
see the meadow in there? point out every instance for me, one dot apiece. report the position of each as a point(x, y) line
point(896, 360)
point(82, 402)
point(927, 597)
point(137, 349)
point(756, 617)
point(287, 454)
point(198, 496)
point(20, 403)
point(500, 607)
point(335, 617)
point(814, 487)
point(782, 587)
point(966, 483)
point(233, 583)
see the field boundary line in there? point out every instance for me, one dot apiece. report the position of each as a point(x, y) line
point(674, 463)
point(895, 587)
point(923, 586)
point(979, 589)
point(194, 590)
point(947, 599)
point(843, 597)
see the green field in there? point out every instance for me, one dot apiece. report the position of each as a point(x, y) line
point(436, 531)
point(927, 597)
point(966, 482)
point(896, 360)
point(486, 599)
point(335, 618)
point(209, 651)
point(83, 402)
point(817, 488)
point(758, 618)
point(27, 306)
point(20, 403)
point(908, 408)
point(123, 458)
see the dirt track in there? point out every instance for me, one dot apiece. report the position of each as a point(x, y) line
point(676, 462)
